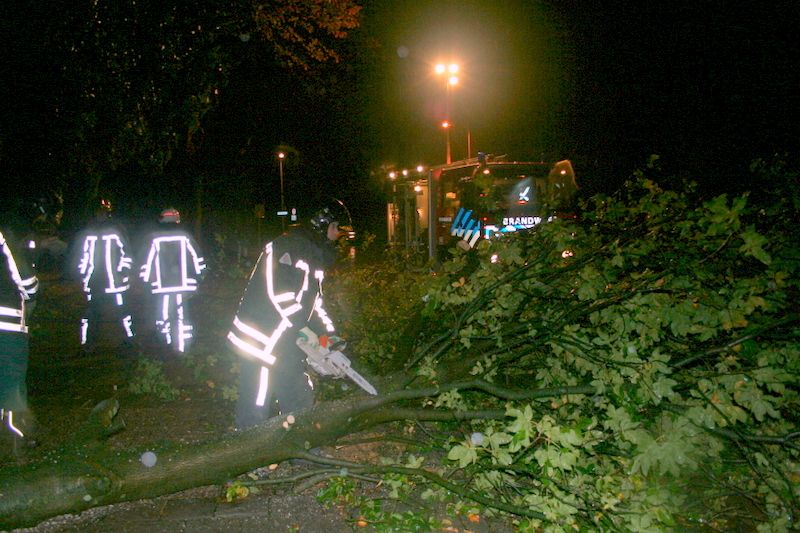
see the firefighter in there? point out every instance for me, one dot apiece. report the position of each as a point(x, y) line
point(283, 296)
point(104, 266)
point(18, 286)
point(173, 268)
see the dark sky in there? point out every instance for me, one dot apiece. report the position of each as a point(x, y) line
point(708, 85)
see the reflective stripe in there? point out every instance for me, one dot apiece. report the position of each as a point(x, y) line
point(183, 331)
point(318, 308)
point(285, 297)
point(173, 290)
point(263, 385)
point(186, 250)
point(302, 265)
point(164, 307)
point(87, 265)
point(250, 349)
point(323, 315)
point(164, 321)
point(251, 331)
point(264, 354)
point(111, 285)
point(11, 426)
point(28, 286)
point(127, 323)
point(31, 285)
point(10, 311)
point(5, 326)
point(84, 330)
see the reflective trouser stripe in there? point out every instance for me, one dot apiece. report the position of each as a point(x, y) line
point(84, 330)
point(127, 323)
point(9, 416)
point(263, 385)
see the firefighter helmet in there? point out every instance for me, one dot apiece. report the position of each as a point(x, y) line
point(103, 209)
point(336, 213)
point(322, 219)
point(170, 215)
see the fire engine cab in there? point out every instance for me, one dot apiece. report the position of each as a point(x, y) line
point(477, 198)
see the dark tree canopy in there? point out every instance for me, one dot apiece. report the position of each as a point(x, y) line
point(125, 88)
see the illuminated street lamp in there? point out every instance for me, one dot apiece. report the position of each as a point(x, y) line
point(281, 157)
point(451, 72)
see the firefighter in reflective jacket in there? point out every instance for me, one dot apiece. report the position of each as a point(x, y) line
point(104, 266)
point(284, 295)
point(18, 285)
point(173, 267)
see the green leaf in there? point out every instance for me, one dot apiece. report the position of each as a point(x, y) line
point(754, 245)
point(465, 455)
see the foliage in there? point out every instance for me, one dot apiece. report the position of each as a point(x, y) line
point(644, 381)
point(226, 262)
point(148, 378)
point(304, 31)
point(139, 79)
point(373, 303)
point(142, 77)
point(380, 515)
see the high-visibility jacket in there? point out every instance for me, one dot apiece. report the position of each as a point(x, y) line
point(18, 286)
point(284, 295)
point(104, 263)
point(172, 263)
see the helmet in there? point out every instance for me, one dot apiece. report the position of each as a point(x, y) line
point(336, 213)
point(170, 215)
point(103, 209)
point(322, 219)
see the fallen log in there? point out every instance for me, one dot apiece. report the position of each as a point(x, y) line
point(92, 476)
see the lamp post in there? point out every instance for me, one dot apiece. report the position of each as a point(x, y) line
point(446, 125)
point(451, 72)
point(392, 212)
point(281, 157)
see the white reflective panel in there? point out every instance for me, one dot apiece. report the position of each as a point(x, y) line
point(84, 330)
point(10, 311)
point(127, 323)
point(263, 385)
point(11, 426)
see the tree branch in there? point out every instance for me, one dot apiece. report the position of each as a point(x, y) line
point(503, 393)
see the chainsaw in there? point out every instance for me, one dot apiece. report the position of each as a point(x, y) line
point(328, 361)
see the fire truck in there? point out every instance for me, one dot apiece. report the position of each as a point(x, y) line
point(477, 198)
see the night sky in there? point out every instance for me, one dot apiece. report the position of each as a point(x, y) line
point(707, 85)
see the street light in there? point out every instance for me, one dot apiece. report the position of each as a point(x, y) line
point(446, 126)
point(281, 157)
point(451, 71)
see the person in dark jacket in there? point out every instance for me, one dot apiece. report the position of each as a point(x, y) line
point(18, 286)
point(283, 296)
point(104, 263)
point(173, 268)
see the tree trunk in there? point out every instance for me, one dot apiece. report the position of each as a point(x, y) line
point(93, 476)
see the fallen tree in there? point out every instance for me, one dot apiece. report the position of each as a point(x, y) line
point(89, 476)
point(633, 370)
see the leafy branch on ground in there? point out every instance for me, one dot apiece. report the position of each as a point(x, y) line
point(667, 341)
